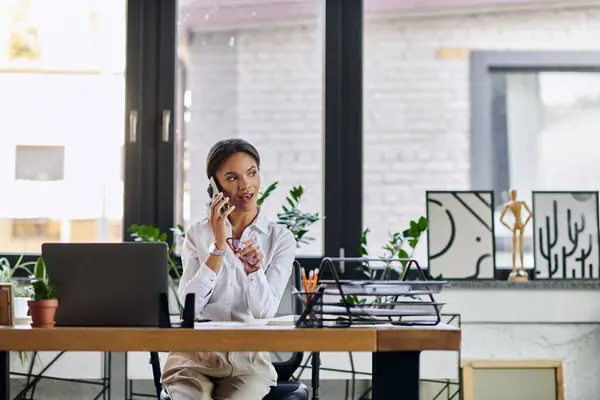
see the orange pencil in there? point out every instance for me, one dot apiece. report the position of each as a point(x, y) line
point(311, 278)
point(315, 280)
point(304, 282)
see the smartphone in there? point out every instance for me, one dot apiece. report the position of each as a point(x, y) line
point(213, 189)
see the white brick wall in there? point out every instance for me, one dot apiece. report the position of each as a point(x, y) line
point(265, 84)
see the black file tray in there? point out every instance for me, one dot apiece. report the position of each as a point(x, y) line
point(396, 302)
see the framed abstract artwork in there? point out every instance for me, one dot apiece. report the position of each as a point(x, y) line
point(566, 240)
point(460, 238)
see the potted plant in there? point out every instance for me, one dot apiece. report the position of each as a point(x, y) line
point(297, 221)
point(7, 275)
point(44, 301)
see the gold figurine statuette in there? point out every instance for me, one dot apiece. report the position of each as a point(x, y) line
point(515, 207)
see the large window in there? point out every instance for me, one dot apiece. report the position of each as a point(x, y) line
point(62, 80)
point(254, 70)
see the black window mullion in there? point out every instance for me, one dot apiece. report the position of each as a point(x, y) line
point(150, 121)
point(343, 129)
point(352, 128)
point(333, 146)
point(141, 200)
point(132, 213)
point(167, 62)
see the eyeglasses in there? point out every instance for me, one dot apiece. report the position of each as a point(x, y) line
point(231, 242)
point(232, 245)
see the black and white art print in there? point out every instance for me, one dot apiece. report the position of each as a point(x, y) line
point(460, 239)
point(565, 228)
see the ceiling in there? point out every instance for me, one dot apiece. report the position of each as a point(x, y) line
point(200, 15)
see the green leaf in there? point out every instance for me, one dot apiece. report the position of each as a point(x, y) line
point(423, 223)
point(363, 237)
point(403, 254)
point(413, 226)
point(291, 203)
point(263, 196)
point(39, 271)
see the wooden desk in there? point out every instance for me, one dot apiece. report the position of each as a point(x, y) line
point(395, 350)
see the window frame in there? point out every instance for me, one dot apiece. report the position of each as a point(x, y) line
point(482, 63)
point(342, 135)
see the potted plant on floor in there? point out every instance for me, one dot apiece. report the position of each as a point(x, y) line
point(7, 275)
point(44, 301)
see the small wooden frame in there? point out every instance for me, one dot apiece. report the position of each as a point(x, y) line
point(469, 367)
point(6, 304)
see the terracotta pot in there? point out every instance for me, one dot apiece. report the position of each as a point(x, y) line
point(42, 313)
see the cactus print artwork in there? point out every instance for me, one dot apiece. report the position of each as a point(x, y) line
point(565, 226)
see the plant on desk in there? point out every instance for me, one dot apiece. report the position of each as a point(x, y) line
point(395, 248)
point(44, 301)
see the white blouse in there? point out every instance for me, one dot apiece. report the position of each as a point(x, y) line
point(231, 295)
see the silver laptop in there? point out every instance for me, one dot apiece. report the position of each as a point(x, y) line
point(107, 284)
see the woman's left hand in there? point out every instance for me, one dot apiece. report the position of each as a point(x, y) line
point(252, 256)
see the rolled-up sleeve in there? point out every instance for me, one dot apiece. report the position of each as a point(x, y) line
point(197, 277)
point(267, 285)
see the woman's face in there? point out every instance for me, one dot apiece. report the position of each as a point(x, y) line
point(240, 180)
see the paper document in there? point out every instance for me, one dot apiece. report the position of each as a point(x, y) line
point(280, 320)
point(284, 320)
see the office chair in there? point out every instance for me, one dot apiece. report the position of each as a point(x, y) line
point(285, 389)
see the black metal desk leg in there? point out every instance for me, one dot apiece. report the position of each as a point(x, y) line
point(396, 375)
point(316, 365)
point(4, 375)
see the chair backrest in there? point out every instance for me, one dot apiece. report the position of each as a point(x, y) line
point(287, 363)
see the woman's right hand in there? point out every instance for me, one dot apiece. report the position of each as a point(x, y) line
point(218, 221)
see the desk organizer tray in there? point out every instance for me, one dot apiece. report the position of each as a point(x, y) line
point(385, 288)
point(342, 303)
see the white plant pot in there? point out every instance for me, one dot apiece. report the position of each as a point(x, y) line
point(21, 307)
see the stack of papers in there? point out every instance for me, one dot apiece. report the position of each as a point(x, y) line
point(280, 320)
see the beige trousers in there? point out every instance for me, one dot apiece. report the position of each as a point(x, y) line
point(218, 376)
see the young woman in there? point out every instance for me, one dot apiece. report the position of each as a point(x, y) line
point(229, 286)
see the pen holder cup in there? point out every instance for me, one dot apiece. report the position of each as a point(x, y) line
point(307, 308)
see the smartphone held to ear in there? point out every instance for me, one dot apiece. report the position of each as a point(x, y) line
point(213, 190)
